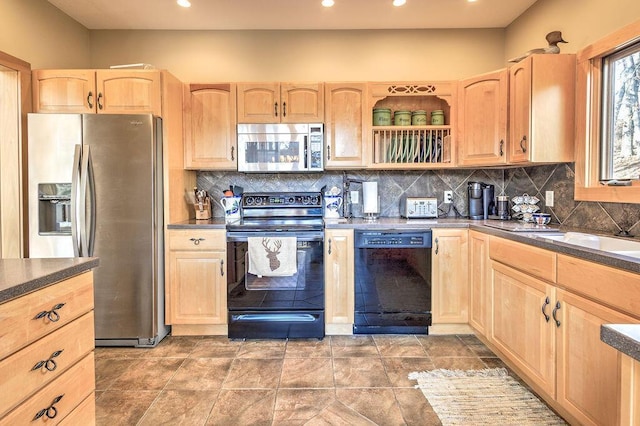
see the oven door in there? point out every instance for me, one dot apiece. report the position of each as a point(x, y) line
point(290, 306)
point(273, 152)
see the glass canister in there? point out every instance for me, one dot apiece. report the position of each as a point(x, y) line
point(402, 118)
point(437, 117)
point(419, 118)
point(381, 117)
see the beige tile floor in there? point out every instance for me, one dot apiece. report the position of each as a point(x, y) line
point(341, 380)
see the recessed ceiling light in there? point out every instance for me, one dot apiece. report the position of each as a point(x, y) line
point(327, 3)
point(399, 2)
point(184, 3)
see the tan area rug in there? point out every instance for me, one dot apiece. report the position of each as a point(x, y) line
point(482, 397)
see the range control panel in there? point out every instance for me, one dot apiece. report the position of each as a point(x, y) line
point(276, 200)
point(395, 239)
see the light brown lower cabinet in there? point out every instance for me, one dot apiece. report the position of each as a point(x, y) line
point(196, 288)
point(479, 281)
point(449, 275)
point(46, 355)
point(551, 335)
point(339, 281)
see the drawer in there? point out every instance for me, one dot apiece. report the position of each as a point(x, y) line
point(21, 379)
point(197, 240)
point(610, 286)
point(528, 259)
point(84, 414)
point(19, 325)
point(59, 398)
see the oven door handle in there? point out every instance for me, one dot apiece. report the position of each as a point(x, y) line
point(274, 317)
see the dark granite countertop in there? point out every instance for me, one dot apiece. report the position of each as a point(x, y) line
point(623, 337)
point(21, 276)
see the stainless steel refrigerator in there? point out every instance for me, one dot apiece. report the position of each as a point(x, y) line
point(95, 189)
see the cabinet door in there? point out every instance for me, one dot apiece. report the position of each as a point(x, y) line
point(520, 110)
point(520, 329)
point(588, 369)
point(302, 103)
point(450, 294)
point(129, 92)
point(479, 282)
point(198, 287)
point(482, 123)
point(64, 91)
point(339, 281)
point(542, 108)
point(345, 127)
point(258, 102)
point(210, 126)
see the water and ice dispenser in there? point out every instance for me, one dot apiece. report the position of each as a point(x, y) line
point(54, 208)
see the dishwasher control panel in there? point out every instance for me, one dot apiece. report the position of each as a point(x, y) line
point(394, 238)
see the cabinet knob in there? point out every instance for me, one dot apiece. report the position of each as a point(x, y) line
point(49, 364)
point(100, 100)
point(90, 99)
point(328, 152)
point(329, 249)
point(437, 246)
point(523, 143)
point(501, 147)
point(275, 109)
point(284, 109)
point(233, 150)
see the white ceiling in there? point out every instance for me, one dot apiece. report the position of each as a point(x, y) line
point(291, 14)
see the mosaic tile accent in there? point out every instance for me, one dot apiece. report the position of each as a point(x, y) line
point(393, 185)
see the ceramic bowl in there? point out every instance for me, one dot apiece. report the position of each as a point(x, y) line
point(541, 218)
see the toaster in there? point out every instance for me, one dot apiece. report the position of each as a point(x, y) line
point(418, 207)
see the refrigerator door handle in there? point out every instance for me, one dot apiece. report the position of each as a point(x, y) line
point(75, 200)
point(91, 203)
point(84, 181)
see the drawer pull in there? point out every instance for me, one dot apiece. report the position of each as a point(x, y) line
point(544, 309)
point(51, 411)
point(196, 241)
point(51, 315)
point(222, 267)
point(49, 364)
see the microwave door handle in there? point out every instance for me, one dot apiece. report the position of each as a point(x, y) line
point(306, 152)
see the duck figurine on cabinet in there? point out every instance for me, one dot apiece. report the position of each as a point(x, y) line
point(553, 38)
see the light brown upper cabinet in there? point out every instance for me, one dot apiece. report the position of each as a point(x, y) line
point(345, 124)
point(280, 103)
point(482, 125)
point(210, 126)
point(542, 109)
point(97, 91)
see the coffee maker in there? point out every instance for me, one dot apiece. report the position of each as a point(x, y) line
point(481, 202)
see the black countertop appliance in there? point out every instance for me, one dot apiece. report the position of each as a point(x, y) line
point(481, 200)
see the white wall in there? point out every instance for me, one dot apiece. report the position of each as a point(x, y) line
point(396, 55)
point(38, 33)
point(582, 22)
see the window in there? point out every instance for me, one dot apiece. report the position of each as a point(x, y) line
point(620, 140)
point(607, 145)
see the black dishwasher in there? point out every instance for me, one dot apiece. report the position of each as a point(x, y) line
point(392, 281)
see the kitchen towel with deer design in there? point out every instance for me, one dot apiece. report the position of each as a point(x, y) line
point(272, 256)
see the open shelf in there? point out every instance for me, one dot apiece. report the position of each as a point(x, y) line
point(412, 145)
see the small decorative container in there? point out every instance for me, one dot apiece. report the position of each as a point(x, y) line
point(437, 117)
point(419, 118)
point(381, 117)
point(402, 118)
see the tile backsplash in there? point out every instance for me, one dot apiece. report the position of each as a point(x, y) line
point(392, 185)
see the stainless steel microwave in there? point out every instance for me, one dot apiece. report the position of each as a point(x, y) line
point(268, 148)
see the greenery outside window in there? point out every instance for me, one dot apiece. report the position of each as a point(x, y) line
point(620, 142)
point(608, 118)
